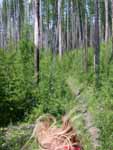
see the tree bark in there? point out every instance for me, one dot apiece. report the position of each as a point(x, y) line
point(112, 31)
point(81, 25)
point(85, 45)
point(37, 39)
point(106, 22)
point(73, 23)
point(91, 33)
point(67, 24)
point(60, 28)
point(1, 29)
point(56, 27)
point(41, 26)
point(111, 58)
point(96, 43)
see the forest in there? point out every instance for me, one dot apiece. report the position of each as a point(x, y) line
point(56, 56)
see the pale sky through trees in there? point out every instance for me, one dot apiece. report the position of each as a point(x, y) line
point(0, 1)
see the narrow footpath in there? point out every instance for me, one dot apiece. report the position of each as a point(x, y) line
point(81, 100)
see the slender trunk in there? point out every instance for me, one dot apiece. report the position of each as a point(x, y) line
point(47, 25)
point(112, 32)
point(70, 35)
point(56, 27)
point(60, 28)
point(85, 46)
point(91, 33)
point(106, 22)
point(17, 20)
point(67, 25)
point(73, 23)
point(76, 31)
point(112, 29)
point(1, 29)
point(79, 33)
point(81, 26)
point(106, 36)
point(37, 39)
point(96, 43)
point(111, 58)
point(41, 26)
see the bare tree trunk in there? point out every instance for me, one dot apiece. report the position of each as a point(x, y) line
point(1, 29)
point(96, 43)
point(106, 22)
point(85, 45)
point(112, 33)
point(76, 31)
point(56, 28)
point(79, 33)
point(81, 25)
point(112, 29)
point(67, 25)
point(91, 32)
point(60, 28)
point(73, 23)
point(41, 26)
point(47, 26)
point(70, 27)
point(37, 39)
point(111, 58)
point(106, 36)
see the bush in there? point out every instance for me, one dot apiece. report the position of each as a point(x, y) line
point(16, 85)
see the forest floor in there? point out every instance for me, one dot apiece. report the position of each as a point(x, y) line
point(89, 133)
point(82, 109)
point(64, 86)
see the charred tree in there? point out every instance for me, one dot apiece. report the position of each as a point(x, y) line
point(37, 39)
point(96, 43)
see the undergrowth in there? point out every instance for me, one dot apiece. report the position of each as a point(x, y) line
point(21, 99)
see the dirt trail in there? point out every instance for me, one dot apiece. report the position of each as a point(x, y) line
point(86, 115)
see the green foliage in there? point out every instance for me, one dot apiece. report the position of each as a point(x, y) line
point(20, 94)
point(21, 98)
point(14, 137)
point(105, 117)
point(52, 92)
point(16, 84)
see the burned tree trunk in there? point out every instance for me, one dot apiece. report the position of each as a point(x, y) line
point(37, 39)
point(60, 28)
point(96, 43)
